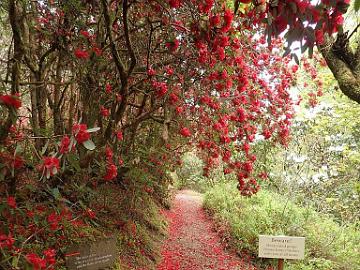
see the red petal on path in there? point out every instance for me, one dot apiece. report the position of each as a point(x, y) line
point(192, 242)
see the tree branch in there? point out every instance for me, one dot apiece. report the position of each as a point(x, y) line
point(127, 38)
point(118, 63)
point(345, 73)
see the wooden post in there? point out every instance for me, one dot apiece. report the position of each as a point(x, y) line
point(281, 264)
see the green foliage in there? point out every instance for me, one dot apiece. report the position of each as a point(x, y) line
point(189, 175)
point(320, 166)
point(357, 5)
point(328, 245)
point(191, 166)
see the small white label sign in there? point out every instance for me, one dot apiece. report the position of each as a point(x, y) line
point(281, 247)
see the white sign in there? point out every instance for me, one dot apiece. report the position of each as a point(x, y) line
point(281, 247)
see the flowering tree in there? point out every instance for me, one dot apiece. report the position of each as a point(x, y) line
point(322, 27)
point(105, 85)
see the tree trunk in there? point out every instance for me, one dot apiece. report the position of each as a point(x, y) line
point(344, 64)
point(57, 115)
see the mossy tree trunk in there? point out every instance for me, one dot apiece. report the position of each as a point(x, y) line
point(344, 63)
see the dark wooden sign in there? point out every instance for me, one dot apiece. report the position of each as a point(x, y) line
point(97, 255)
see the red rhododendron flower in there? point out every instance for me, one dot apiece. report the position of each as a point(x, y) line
point(6, 241)
point(37, 262)
point(11, 202)
point(148, 189)
point(108, 88)
point(151, 72)
point(49, 253)
point(175, 3)
point(12, 129)
point(303, 6)
point(81, 54)
point(215, 20)
point(121, 162)
point(64, 145)
point(172, 45)
point(50, 256)
point(30, 214)
point(53, 219)
point(263, 175)
point(160, 88)
point(82, 136)
point(179, 109)
point(17, 162)
point(185, 132)
point(11, 101)
point(111, 172)
point(228, 17)
point(119, 135)
point(294, 68)
point(51, 165)
point(97, 51)
point(109, 154)
point(267, 134)
point(90, 213)
point(206, 7)
point(173, 98)
point(85, 33)
point(169, 70)
point(81, 133)
point(338, 19)
point(319, 36)
point(104, 112)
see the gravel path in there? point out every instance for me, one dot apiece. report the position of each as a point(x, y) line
point(192, 242)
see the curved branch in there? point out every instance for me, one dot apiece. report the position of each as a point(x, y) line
point(127, 38)
point(345, 73)
point(118, 63)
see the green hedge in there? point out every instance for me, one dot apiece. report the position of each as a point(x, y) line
point(328, 245)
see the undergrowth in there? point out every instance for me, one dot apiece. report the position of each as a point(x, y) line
point(328, 245)
point(140, 228)
point(46, 221)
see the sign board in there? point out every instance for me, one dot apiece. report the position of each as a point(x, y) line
point(93, 256)
point(281, 247)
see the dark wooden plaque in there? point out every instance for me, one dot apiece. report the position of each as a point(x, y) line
point(97, 255)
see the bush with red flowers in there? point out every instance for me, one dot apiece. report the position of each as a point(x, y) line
point(97, 96)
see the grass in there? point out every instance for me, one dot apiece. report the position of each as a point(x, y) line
point(328, 245)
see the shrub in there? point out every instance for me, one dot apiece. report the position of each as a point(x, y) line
point(328, 245)
point(38, 225)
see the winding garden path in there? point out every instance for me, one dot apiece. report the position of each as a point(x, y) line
point(192, 242)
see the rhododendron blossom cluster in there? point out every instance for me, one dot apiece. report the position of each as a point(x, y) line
point(235, 101)
point(65, 145)
point(11, 202)
point(111, 169)
point(11, 101)
point(39, 263)
point(81, 133)
point(50, 166)
point(326, 16)
point(203, 70)
point(38, 220)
